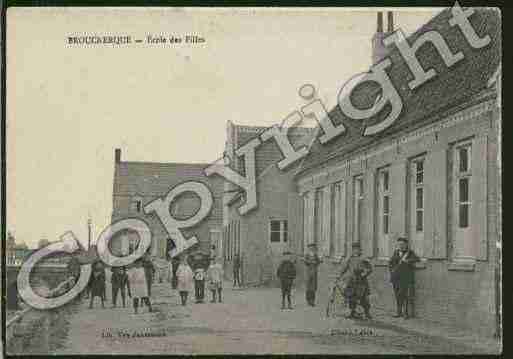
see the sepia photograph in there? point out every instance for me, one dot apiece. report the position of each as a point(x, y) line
point(252, 180)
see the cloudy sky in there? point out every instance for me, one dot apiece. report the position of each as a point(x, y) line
point(70, 106)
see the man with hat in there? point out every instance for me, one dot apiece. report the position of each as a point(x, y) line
point(354, 274)
point(312, 262)
point(287, 274)
point(401, 266)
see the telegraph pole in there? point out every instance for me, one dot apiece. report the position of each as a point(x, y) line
point(89, 232)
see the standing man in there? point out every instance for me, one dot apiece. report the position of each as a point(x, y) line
point(149, 270)
point(401, 266)
point(312, 262)
point(236, 270)
point(286, 274)
point(97, 283)
point(354, 275)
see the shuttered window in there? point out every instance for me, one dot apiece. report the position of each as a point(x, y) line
point(462, 200)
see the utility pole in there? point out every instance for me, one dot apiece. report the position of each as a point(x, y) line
point(89, 232)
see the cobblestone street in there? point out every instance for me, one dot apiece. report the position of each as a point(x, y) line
point(248, 321)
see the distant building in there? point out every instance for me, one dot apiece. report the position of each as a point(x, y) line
point(138, 183)
point(432, 176)
point(15, 252)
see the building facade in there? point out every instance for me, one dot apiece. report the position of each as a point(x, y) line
point(138, 183)
point(15, 252)
point(432, 177)
point(261, 236)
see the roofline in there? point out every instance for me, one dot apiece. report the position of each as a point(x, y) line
point(165, 163)
point(483, 96)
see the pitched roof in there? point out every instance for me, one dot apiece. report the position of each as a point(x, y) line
point(150, 180)
point(449, 88)
point(268, 153)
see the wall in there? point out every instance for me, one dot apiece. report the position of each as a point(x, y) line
point(275, 193)
point(446, 291)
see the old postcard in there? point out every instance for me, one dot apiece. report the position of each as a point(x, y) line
point(253, 181)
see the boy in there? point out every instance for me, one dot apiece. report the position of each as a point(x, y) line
point(286, 274)
point(401, 266)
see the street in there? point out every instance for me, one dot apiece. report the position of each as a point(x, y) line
point(248, 321)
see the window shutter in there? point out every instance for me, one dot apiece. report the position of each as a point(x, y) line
point(295, 224)
point(326, 219)
point(308, 218)
point(436, 204)
point(397, 202)
point(369, 198)
point(340, 219)
point(479, 195)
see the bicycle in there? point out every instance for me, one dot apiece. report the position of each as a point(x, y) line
point(336, 300)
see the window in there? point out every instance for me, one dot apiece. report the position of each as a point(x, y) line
point(358, 207)
point(278, 231)
point(416, 199)
point(462, 200)
point(464, 205)
point(386, 201)
point(383, 197)
point(463, 184)
point(419, 194)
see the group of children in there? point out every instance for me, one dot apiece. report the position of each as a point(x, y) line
point(189, 280)
point(135, 278)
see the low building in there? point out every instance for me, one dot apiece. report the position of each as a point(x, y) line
point(432, 176)
point(16, 252)
point(138, 183)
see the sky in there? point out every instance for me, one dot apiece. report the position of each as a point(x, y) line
point(69, 106)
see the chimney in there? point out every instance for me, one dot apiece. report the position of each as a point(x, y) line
point(380, 22)
point(117, 155)
point(390, 21)
point(379, 51)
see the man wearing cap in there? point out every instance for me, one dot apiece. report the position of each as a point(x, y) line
point(354, 274)
point(401, 266)
point(312, 262)
point(287, 274)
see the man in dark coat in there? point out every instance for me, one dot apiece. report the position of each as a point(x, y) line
point(401, 266)
point(149, 271)
point(236, 270)
point(97, 283)
point(312, 262)
point(286, 274)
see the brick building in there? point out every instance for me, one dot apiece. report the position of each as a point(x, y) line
point(261, 235)
point(432, 176)
point(138, 183)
